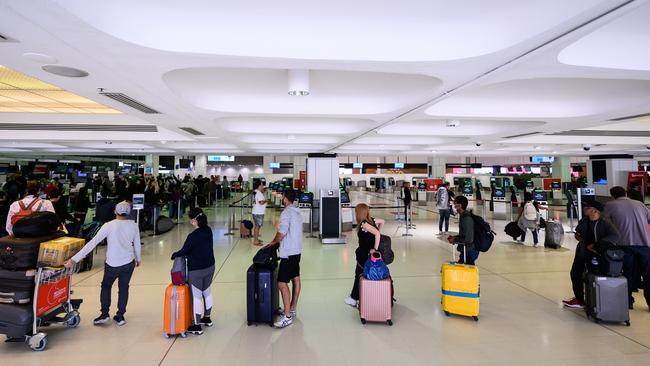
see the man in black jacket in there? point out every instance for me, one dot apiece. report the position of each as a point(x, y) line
point(406, 196)
point(595, 235)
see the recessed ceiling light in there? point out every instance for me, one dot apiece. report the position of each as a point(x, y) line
point(291, 137)
point(554, 152)
point(538, 147)
point(298, 82)
point(41, 58)
point(433, 151)
point(66, 71)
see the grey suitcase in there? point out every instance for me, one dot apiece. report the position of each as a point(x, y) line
point(554, 234)
point(16, 287)
point(16, 320)
point(606, 299)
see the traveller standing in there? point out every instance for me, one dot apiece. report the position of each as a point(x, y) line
point(259, 207)
point(30, 201)
point(529, 219)
point(632, 218)
point(406, 196)
point(198, 249)
point(369, 234)
point(444, 207)
point(465, 238)
point(122, 256)
point(289, 238)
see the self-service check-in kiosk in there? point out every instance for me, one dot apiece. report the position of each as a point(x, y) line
point(530, 185)
point(422, 194)
point(305, 204)
point(542, 198)
point(587, 194)
point(391, 185)
point(500, 203)
point(330, 217)
point(556, 192)
point(346, 212)
point(467, 190)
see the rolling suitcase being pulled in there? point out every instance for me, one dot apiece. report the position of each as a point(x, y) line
point(16, 287)
point(513, 230)
point(177, 310)
point(262, 300)
point(22, 253)
point(376, 300)
point(460, 289)
point(606, 299)
point(554, 234)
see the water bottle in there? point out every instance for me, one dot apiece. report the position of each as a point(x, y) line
point(595, 265)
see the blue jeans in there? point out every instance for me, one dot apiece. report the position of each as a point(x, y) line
point(637, 262)
point(523, 236)
point(444, 217)
point(472, 255)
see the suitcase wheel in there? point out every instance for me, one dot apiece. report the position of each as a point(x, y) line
point(627, 323)
point(363, 321)
point(389, 322)
point(166, 335)
point(447, 313)
point(475, 318)
point(249, 323)
point(183, 334)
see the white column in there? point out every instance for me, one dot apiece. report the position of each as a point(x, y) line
point(200, 165)
point(152, 161)
point(437, 164)
point(299, 163)
point(561, 168)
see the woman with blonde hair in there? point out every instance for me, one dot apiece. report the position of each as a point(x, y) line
point(369, 234)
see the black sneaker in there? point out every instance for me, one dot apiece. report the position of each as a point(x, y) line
point(206, 321)
point(195, 329)
point(119, 320)
point(102, 319)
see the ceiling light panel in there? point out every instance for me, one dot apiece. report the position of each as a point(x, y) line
point(287, 146)
point(114, 145)
point(200, 146)
point(6, 149)
point(468, 128)
point(75, 150)
point(332, 92)
point(396, 140)
point(22, 93)
point(379, 148)
point(290, 139)
point(294, 125)
point(29, 145)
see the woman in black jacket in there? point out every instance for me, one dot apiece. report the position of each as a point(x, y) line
point(80, 209)
point(198, 249)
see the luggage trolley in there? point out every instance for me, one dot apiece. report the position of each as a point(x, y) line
point(51, 299)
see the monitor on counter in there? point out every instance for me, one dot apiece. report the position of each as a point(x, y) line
point(540, 196)
point(345, 198)
point(306, 197)
point(556, 185)
point(499, 192)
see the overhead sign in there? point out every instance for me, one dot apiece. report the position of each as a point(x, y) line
point(221, 158)
point(542, 159)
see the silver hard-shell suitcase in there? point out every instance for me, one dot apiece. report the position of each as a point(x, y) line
point(607, 299)
point(553, 234)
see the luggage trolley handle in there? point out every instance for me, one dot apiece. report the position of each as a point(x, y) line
point(453, 253)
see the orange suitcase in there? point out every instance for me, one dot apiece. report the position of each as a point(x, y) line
point(178, 310)
point(376, 301)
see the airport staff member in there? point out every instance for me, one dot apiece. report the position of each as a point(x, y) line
point(406, 196)
point(122, 256)
point(289, 238)
point(259, 207)
point(632, 218)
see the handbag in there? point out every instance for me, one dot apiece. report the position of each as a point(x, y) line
point(375, 269)
point(179, 271)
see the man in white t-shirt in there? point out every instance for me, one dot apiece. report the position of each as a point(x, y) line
point(259, 206)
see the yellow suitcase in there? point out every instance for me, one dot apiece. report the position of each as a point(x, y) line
point(55, 252)
point(460, 289)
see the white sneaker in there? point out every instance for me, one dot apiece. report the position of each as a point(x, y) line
point(350, 301)
point(292, 313)
point(283, 322)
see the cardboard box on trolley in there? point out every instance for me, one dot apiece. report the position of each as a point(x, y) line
point(55, 252)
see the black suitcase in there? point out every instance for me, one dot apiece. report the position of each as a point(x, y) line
point(22, 253)
point(16, 287)
point(553, 235)
point(606, 299)
point(513, 230)
point(163, 224)
point(36, 225)
point(16, 320)
point(262, 298)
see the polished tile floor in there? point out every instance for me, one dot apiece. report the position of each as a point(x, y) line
point(522, 321)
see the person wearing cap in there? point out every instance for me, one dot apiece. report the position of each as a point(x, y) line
point(198, 249)
point(595, 234)
point(122, 256)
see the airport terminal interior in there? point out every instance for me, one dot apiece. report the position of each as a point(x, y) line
point(159, 108)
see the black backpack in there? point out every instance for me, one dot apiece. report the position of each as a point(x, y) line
point(483, 234)
point(385, 249)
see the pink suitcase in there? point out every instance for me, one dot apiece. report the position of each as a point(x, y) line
point(375, 301)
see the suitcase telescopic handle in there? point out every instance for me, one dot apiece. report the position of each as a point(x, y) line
point(453, 253)
point(598, 300)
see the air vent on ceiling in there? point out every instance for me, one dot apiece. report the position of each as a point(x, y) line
point(75, 127)
point(4, 38)
point(192, 131)
point(602, 133)
point(521, 135)
point(631, 117)
point(126, 100)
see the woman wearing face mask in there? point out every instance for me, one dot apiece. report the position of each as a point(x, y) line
point(200, 264)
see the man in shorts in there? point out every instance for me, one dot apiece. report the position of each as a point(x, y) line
point(259, 206)
point(289, 238)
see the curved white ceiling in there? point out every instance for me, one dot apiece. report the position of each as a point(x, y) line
point(622, 44)
point(374, 30)
point(265, 90)
point(393, 140)
point(294, 125)
point(290, 139)
point(544, 98)
point(466, 128)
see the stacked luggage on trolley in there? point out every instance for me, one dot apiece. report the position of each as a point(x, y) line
point(35, 286)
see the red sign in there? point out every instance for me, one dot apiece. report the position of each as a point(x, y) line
point(52, 295)
point(303, 179)
point(548, 183)
point(432, 184)
point(636, 185)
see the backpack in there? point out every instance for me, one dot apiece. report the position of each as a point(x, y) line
point(25, 210)
point(483, 234)
point(385, 249)
point(530, 213)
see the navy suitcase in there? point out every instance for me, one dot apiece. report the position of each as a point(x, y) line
point(262, 300)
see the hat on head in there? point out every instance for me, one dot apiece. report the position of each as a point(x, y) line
point(123, 208)
point(594, 204)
